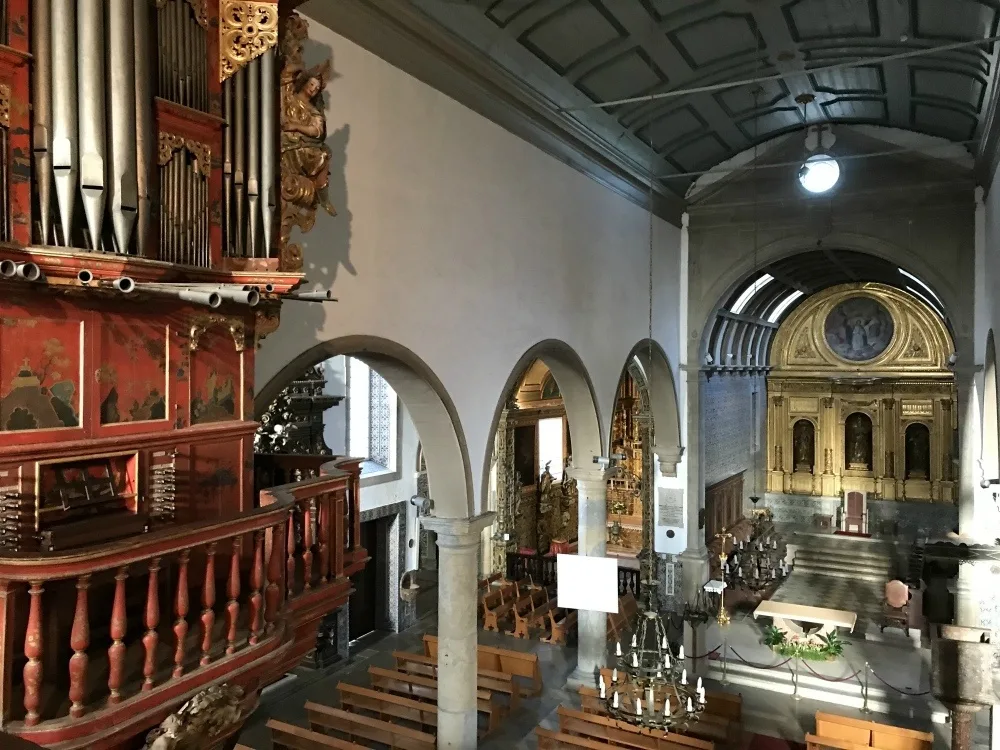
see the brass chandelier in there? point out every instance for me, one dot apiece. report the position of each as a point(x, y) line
point(649, 684)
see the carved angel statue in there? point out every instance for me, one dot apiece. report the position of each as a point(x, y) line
point(211, 714)
point(305, 157)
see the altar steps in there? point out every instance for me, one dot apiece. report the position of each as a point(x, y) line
point(844, 557)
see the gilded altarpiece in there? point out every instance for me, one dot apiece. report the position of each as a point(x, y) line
point(860, 398)
point(629, 438)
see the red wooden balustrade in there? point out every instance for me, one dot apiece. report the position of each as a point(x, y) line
point(281, 567)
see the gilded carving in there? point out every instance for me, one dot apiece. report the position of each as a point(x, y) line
point(169, 144)
point(201, 323)
point(246, 30)
point(5, 105)
point(266, 322)
point(200, 8)
point(305, 157)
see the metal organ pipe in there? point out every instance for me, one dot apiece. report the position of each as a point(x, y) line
point(228, 244)
point(41, 104)
point(90, 83)
point(64, 120)
point(144, 137)
point(122, 145)
point(239, 155)
point(268, 146)
point(253, 155)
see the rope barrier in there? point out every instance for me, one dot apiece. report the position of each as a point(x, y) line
point(830, 679)
point(758, 666)
point(707, 654)
point(901, 692)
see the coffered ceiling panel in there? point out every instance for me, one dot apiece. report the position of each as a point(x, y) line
point(579, 55)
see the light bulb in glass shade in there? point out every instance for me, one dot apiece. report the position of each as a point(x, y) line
point(819, 174)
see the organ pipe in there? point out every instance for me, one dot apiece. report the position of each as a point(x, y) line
point(64, 119)
point(41, 104)
point(228, 238)
point(144, 136)
point(253, 156)
point(239, 155)
point(90, 66)
point(124, 187)
point(268, 145)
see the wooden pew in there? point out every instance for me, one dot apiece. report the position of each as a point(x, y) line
point(711, 726)
point(487, 679)
point(358, 699)
point(561, 622)
point(814, 742)
point(397, 737)
point(290, 737)
point(549, 740)
point(870, 733)
point(513, 663)
point(619, 624)
point(524, 611)
point(621, 734)
point(486, 583)
point(425, 689)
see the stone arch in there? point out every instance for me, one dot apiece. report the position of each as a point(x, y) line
point(449, 474)
point(577, 391)
point(726, 284)
point(659, 383)
point(991, 419)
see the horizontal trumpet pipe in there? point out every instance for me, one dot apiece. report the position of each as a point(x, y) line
point(85, 277)
point(184, 293)
point(324, 295)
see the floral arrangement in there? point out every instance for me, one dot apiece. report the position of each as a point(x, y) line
point(822, 648)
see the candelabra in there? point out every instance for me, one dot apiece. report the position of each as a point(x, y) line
point(757, 563)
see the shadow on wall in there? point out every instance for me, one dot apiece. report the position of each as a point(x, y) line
point(328, 246)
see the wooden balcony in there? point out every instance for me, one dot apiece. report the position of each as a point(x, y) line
point(100, 645)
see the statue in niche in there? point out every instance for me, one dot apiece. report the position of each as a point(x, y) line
point(305, 157)
point(858, 442)
point(918, 452)
point(803, 440)
point(545, 523)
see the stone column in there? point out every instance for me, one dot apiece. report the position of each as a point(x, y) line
point(976, 514)
point(592, 627)
point(458, 541)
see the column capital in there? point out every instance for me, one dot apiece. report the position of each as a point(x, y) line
point(592, 478)
point(456, 532)
point(669, 458)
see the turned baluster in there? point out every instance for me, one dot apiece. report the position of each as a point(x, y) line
point(208, 602)
point(233, 589)
point(272, 595)
point(290, 552)
point(256, 584)
point(119, 623)
point(307, 543)
point(151, 638)
point(181, 610)
point(323, 532)
point(33, 651)
point(79, 641)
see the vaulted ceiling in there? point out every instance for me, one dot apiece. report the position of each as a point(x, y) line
point(567, 56)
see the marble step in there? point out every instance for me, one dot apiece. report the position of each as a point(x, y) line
point(850, 693)
point(821, 561)
point(869, 574)
point(845, 554)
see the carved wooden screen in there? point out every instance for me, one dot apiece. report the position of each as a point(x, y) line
point(723, 505)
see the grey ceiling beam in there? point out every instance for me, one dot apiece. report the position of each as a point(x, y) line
point(531, 15)
point(753, 319)
point(789, 281)
point(894, 19)
point(406, 37)
point(646, 32)
point(839, 262)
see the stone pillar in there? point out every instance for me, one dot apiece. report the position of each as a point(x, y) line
point(976, 512)
point(592, 627)
point(458, 541)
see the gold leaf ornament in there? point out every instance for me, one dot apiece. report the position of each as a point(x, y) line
point(246, 31)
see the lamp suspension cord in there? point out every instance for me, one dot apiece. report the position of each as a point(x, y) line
point(650, 475)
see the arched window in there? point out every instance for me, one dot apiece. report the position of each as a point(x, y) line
point(918, 451)
point(804, 446)
point(991, 428)
point(858, 442)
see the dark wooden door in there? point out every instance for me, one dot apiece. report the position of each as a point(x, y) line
point(363, 614)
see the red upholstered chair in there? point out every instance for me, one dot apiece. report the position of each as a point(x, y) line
point(895, 609)
point(854, 513)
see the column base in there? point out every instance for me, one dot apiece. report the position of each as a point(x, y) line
point(458, 730)
point(581, 678)
point(694, 572)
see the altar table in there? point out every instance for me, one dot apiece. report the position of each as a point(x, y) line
point(786, 617)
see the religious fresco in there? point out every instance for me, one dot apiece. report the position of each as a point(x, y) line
point(214, 376)
point(39, 373)
point(133, 374)
point(859, 329)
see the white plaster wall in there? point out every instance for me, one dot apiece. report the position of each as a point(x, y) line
point(991, 262)
point(465, 244)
